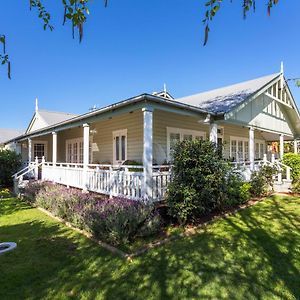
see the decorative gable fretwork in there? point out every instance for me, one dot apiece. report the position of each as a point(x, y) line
point(279, 92)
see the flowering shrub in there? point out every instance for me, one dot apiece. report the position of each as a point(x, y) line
point(121, 220)
point(115, 220)
point(4, 193)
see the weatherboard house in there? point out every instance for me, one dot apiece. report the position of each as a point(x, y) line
point(125, 148)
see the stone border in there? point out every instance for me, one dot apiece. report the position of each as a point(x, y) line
point(187, 232)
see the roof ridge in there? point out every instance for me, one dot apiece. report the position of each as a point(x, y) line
point(232, 85)
point(57, 112)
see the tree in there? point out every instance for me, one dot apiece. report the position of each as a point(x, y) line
point(76, 11)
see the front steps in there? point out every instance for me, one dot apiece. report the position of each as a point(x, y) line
point(283, 187)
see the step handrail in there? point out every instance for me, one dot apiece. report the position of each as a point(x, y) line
point(30, 168)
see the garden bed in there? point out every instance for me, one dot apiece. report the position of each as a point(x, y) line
point(167, 231)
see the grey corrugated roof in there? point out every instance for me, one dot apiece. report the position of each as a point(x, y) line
point(53, 117)
point(8, 134)
point(223, 100)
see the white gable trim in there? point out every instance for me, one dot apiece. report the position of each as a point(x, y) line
point(229, 114)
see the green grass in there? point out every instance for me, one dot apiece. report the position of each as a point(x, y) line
point(252, 255)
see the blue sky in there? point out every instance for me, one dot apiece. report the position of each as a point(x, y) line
point(136, 46)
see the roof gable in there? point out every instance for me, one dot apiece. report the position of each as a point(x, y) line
point(44, 118)
point(223, 100)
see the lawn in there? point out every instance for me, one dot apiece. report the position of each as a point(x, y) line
point(252, 255)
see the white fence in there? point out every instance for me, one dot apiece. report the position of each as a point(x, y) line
point(124, 181)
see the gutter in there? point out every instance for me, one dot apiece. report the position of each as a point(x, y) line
point(134, 100)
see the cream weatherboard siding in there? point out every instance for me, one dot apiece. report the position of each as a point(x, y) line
point(162, 120)
point(102, 140)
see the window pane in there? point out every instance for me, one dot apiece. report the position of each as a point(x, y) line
point(123, 144)
point(256, 150)
point(246, 145)
point(81, 152)
point(233, 149)
point(117, 148)
point(39, 150)
point(240, 150)
point(75, 153)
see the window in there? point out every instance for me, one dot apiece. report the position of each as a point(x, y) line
point(239, 149)
point(74, 151)
point(259, 150)
point(39, 149)
point(120, 146)
point(175, 135)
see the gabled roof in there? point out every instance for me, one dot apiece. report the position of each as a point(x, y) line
point(223, 100)
point(52, 117)
point(48, 118)
point(8, 134)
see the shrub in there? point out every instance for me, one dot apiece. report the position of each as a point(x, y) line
point(121, 220)
point(10, 162)
point(202, 181)
point(293, 160)
point(238, 191)
point(4, 193)
point(262, 181)
point(115, 220)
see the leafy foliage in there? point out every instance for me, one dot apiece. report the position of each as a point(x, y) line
point(5, 193)
point(10, 162)
point(202, 182)
point(293, 160)
point(213, 6)
point(262, 181)
point(116, 221)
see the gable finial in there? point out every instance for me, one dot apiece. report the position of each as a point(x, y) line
point(36, 104)
point(281, 67)
point(165, 88)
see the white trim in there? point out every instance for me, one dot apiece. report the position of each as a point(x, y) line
point(45, 143)
point(72, 142)
point(181, 132)
point(244, 139)
point(116, 133)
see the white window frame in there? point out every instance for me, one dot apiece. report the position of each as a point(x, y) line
point(118, 133)
point(78, 141)
point(72, 142)
point(182, 132)
point(45, 143)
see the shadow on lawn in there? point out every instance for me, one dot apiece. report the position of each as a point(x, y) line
point(240, 257)
point(8, 207)
point(253, 255)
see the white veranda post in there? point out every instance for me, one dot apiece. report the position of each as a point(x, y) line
point(54, 148)
point(86, 145)
point(148, 152)
point(251, 148)
point(281, 146)
point(213, 133)
point(29, 150)
point(295, 146)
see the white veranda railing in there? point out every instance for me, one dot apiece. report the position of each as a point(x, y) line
point(124, 181)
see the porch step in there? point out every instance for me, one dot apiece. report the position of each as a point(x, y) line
point(284, 186)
